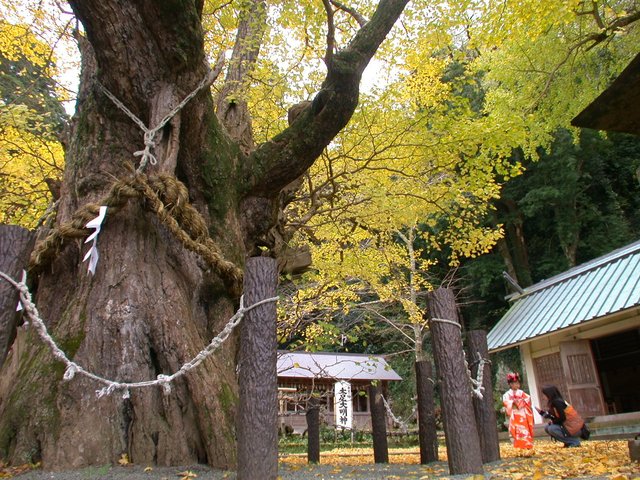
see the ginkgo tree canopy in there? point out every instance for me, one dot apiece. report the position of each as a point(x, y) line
point(467, 83)
point(474, 87)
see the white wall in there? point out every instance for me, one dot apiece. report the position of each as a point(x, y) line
point(532, 386)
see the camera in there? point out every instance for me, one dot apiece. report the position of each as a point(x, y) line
point(544, 414)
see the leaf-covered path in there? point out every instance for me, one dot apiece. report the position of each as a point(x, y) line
point(596, 459)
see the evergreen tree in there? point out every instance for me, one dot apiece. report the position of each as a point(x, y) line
point(579, 201)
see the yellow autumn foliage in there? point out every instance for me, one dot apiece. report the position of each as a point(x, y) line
point(17, 41)
point(26, 160)
point(472, 87)
point(414, 167)
point(29, 152)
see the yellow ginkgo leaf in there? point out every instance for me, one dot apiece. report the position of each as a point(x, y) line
point(148, 469)
point(187, 474)
point(537, 475)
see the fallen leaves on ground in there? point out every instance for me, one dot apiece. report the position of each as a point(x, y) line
point(186, 475)
point(606, 458)
point(8, 472)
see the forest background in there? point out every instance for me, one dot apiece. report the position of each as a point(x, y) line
point(459, 163)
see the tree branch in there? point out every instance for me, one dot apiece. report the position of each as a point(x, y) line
point(331, 34)
point(276, 163)
point(359, 18)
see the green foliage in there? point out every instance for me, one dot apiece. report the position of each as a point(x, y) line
point(403, 394)
point(577, 202)
point(577, 184)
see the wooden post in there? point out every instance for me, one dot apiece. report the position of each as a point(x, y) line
point(313, 430)
point(258, 405)
point(484, 408)
point(427, 431)
point(16, 244)
point(378, 425)
point(461, 434)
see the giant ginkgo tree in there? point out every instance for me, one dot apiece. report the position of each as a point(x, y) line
point(187, 204)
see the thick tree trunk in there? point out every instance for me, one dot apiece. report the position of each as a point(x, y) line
point(313, 430)
point(258, 408)
point(461, 434)
point(484, 407)
point(378, 425)
point(427, 430)
point(152, 304)
point(15, 247)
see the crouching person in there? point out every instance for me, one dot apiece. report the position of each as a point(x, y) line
point(565, 423)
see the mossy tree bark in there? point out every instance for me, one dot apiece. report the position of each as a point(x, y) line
point(152, 303)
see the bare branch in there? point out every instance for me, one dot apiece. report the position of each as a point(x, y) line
point(331, 33)
point(359, 18)
point(596, 15)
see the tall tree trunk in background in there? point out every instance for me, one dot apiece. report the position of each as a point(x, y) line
point(484, 407)
point(503, 249)
point(461, 434)
point(568, 223)
point(516, 242)
point(427, 429)
point(172, 246)
point(15, 247)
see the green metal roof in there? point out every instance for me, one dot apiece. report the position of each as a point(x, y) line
point(593, 290)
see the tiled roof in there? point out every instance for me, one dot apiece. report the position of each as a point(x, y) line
point(593, 290)
point(339, 366)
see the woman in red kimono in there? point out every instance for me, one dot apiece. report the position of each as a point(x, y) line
point(517, 406)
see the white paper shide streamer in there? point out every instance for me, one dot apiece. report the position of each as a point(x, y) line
point(93, 255)
point(24, 280)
